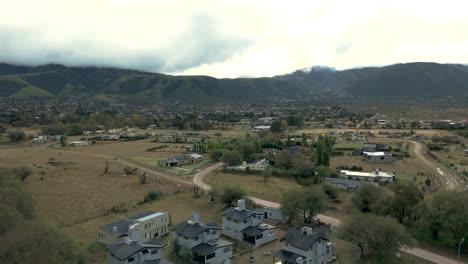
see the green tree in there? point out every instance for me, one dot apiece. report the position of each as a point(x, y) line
point(401, 203)
point(294, 120)
point(230, 194)
point(232, 157)
point(37, 243)
point(304, 202)
point(366, 196)
point(376, 236)
point(16, 136)
point(277, 127)
point(330, 190)
point(216, 154)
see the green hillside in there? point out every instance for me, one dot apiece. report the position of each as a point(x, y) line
point(110, 84)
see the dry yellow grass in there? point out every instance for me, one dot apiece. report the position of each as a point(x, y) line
point(254, 185)
point(77, 189)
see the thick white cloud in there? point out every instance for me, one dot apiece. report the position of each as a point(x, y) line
point(227, 38)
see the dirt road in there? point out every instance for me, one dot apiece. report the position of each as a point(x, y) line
point(450, 180)
point(198, 178)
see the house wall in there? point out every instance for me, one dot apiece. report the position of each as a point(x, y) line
point(107, 238)
point(274, 214)
point(267, 236)
point(232, 228)
point(203, 237)
point(220, 256)
point(139, 258)
point(318, 252)
point(157, 225)
point(379, 159)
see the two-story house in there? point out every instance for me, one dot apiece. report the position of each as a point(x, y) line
point(202, 242)
point(133, 252)
point(141, 227)
point(301, 246)
point(243, 224)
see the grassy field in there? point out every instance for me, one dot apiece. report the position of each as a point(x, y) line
point(254, 185)
point(74, 186)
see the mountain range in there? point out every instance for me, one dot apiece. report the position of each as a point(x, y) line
point(120, 85)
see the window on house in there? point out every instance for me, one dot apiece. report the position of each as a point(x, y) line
point(154, 252)
point(144, 251)
point(196, 238)
point(229, 219)
point(245, 221)
point(259, 236)
point(211, 255)
point(213, 232)
point(131, 259)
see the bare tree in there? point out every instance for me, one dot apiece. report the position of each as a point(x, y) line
point(106, 168)
point(143, 178)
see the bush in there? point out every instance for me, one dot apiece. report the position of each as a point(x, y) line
point(16, 136)
point(151, 196)
point(119, 208)
point(22, 172)
point(129, 170)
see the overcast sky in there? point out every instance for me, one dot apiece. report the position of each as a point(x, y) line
point(231, 38)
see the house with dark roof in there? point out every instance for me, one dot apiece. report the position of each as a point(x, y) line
point(246, 225)
point(301, 246)
point(344, 184)
point(176, 161)
point(202, 242)
point(141, 227)
point(128, 251)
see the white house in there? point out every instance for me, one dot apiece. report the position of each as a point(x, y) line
point(301, 246)
point(202, 241)
point(133, 252)
point(246, 225)
point(377, 157)
point(79, 143)
point(141, 228)
point(375, 176)
point(256, 165)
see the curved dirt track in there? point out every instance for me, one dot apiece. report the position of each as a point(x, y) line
point(450, 180)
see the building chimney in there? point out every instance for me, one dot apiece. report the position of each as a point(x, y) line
point(114, 229)
point(241, 204)
point(195, 218)
point(306, 230)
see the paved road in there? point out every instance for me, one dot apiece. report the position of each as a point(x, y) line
point(418, 252)
point(450, 180)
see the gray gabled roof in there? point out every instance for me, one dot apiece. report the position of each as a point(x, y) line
point(347, 182)
point(302, 241)
point(252, 231)
point(239, 215)
point(123, 224)
point(126, 248)
point(189, 230)
point(204, 248)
